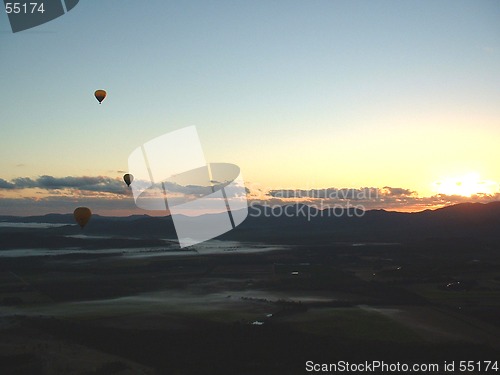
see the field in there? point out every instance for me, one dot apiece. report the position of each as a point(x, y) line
point(259, 313)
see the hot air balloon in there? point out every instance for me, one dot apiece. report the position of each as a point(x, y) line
point(100, 95)
point(82, 216)
point(128, 178)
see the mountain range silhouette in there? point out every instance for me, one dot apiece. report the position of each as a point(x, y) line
point(466, 221)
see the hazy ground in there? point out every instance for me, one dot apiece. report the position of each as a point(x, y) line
point(248, 312)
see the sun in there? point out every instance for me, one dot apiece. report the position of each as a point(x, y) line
point(466, 186)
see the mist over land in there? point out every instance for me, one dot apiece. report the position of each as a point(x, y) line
point(120, 297)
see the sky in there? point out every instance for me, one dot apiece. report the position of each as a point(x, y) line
point(400, 96)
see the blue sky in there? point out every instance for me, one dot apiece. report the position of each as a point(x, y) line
point(299, 94)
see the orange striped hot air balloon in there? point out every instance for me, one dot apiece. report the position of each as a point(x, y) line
point(100, 95)
point(82, 216)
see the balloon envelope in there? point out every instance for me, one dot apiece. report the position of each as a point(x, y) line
point(128, 178)
point(100, 95)
point(82, 216)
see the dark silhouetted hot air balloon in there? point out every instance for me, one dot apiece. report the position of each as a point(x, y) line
point(100, 95)
point(82, 216)
point(128, 178)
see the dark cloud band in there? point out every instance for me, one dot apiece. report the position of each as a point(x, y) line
point(101, 184)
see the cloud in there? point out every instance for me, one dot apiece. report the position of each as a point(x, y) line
point(327, 193)
point(6, 185)
point(23, 183)
point(357, 194)
point(388, 198)
point(100, 184)
point(110, 196)
point(390, 191)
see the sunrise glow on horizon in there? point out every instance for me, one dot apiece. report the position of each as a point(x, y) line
point(466, 185)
